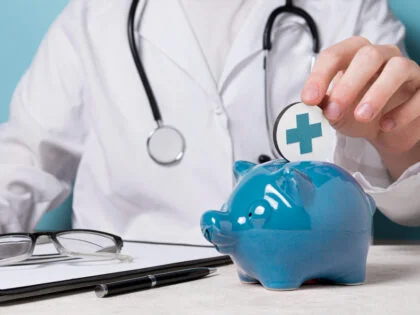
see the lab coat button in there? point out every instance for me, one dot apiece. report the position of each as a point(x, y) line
point(223, 121)
point(219, 111)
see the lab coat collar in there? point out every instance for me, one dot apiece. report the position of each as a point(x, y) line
point(249, 40)
point(165, 25)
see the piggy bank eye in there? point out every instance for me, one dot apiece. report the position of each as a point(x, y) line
point(260, 210)
point(257, 211)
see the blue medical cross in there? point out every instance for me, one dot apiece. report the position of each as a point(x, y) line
point(304, 133)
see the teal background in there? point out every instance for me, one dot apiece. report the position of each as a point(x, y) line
point(23, 23)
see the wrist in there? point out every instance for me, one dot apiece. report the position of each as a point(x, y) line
point(397, 162)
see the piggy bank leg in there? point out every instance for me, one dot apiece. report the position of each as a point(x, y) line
point(270, 281)
point(353, 276)
point(282, 277)
point(281, 286)
point(244, 278)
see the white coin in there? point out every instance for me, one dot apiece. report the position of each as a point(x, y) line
point(302, 133)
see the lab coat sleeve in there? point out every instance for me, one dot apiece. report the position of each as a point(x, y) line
point(41, 144)
point(398, 200)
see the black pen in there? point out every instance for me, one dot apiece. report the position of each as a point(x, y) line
point(151, 281)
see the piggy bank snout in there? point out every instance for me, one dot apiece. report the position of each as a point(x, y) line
point(211, 224)
point(207, 232)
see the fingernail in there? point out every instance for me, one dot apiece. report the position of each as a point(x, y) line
point(310, 92)
point(332, 111)
point(388, 124)
point(364, 111)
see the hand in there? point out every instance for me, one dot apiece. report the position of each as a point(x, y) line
point(374, 95)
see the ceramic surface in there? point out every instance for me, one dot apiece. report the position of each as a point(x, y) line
point(286, 223)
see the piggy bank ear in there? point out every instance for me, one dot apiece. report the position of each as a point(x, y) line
point(297, 186)
point(240, 168)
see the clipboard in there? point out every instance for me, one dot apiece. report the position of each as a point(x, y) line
point(195, 256)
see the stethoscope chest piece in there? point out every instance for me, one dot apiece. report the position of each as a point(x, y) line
point(302, 133)
point(166, 145)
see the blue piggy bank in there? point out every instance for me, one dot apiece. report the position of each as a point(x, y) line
point(287, 223)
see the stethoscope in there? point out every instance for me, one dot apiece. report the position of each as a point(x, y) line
point(166, 144)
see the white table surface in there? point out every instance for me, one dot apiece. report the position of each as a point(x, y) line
point(392, 287)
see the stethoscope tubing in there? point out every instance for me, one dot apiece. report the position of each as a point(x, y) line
point(139, 65)
point(290, 8)
point(267, 45)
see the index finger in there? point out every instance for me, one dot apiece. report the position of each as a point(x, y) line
point(329, 62)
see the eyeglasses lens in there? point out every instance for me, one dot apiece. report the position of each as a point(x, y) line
point(12, 247)
point(87, 242)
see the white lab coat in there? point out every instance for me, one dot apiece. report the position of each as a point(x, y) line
point(80, 113)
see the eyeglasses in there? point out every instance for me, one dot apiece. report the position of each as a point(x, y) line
point(18, 247)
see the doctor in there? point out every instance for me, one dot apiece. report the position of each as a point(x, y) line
point(80, 113)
